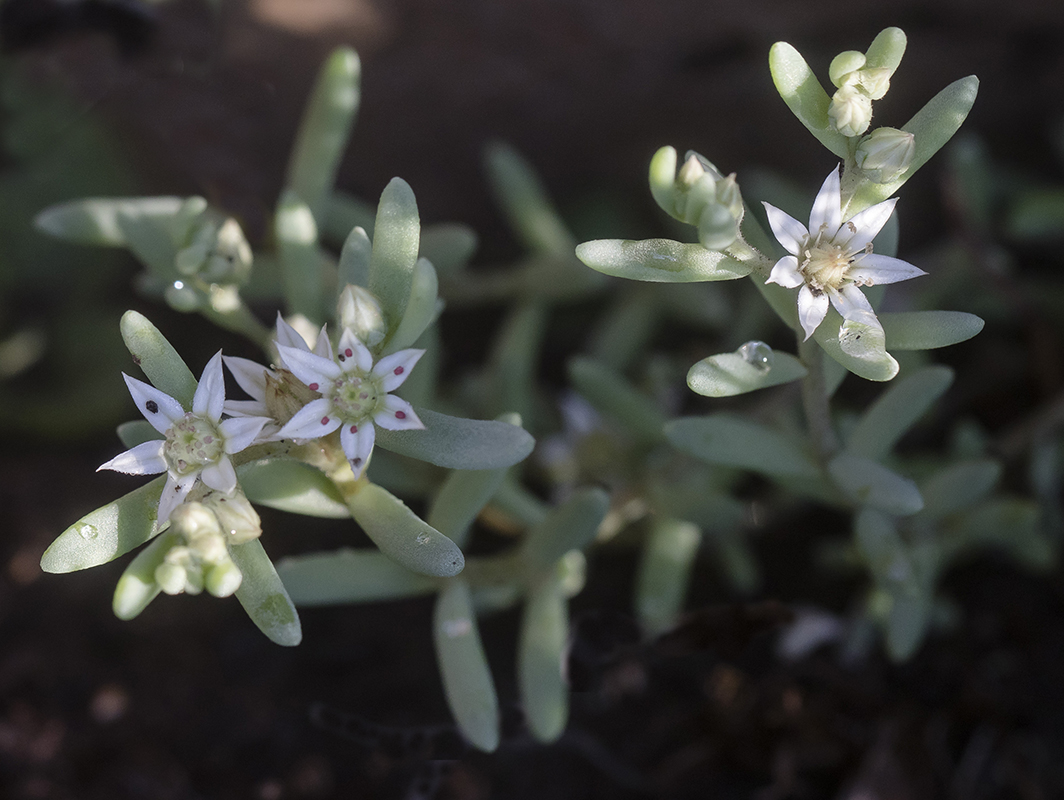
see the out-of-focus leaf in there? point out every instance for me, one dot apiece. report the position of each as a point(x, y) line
point(137, 587)
point(458, 443)
point(660, 260)
point(897, 410)
point(290, 485)
point(926, 330)
point(349, 576)
point(869, 483)
point(664, 572)
point(540, 651)
point(730, 441)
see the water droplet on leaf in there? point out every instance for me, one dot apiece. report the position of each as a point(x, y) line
point(87, 532)
point(422, 538)
point(757, 354)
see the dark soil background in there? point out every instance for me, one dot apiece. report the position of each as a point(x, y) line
point(190, 701)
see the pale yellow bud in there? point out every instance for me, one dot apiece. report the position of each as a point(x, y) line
point(850, 111)
point(359, 311)
point(885, 154)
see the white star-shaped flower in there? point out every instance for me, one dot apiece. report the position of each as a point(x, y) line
point(831, 259)
point(354, 395)
point(196, 444)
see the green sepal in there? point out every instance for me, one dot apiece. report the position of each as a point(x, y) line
point(896, 410)
point(396, 238)
point(108, 532)
point(421, 308)
point(525, 202)
point(293, 486)
point(135, 432)
point(95, 220)
point(459, 443)
point(569, 526)
point(464, 668)
point(615, 397)
point(324, 130)
point(301, 262)
point(804, 96)
point(659, 260)
point(729, 374)
point(932, 127)
point(403, 535)
point(137, 587)
point(734, 442)
point(958, 487)
point(665, 566)
point(355, 258)
point(927, 330)
point(540, 660)
point(349, 576)
point(869, 484)
point(157, 358)
point(263, 596)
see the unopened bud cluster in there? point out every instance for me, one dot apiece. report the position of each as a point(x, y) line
point(698, 195)
point(858, 83)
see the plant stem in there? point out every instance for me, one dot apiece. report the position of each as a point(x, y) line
point(815, 401)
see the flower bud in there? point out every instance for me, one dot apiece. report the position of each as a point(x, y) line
point(216, 252)
point(717, 228)
point(193, 519)
point(238, 519)
point(850, 111)
point(359, 311)
point(208, 548)
point(844, 65)
point(690, 173)
point(223, 579)
point(875, 81)
point(170, 577)
point(729, 196)
point(885, 154)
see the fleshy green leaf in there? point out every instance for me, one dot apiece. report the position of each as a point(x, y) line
point(137, 587)
point(107, 532)
point(157, 358)
point(932, 127)
point(460, 499)
point(290, 485)
point(664, 572)
point(263, 596)
point(887, 49)
point(659, 260)
point(95, 220)
point(859, 347)
point(396, 238)
point(804, 96)
point(349, 576)
point(513, 365)
point(402, 535)
point(1011, 524)
point(540, 653)
point(926, 330)
point(325, 129)
point(448, 245)
point(869, 483)
point(525, 202)
point(458, 443)
point(301, 264)
point(958, 487)
point(466, 676)
point(729, 374)
point(149, 239)
point(897, 410)
point(343, 212)
point(570, 526)
point(612, 395)
point(421, 307)
point(734, 442)
point(136, 432)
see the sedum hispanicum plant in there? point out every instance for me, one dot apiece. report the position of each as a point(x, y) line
point(344, 415)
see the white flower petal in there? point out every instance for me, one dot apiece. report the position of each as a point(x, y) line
point(812, 308)
point(289, 336)
point(220, 475)
point(240, 432)
point(209, 399)
point(786, 273)
point(174, 493)
point(788, 231)
point(394, 369)
point(868, 224)
point(249, 375)
point(874, 270)
point(357, 442)
point(352, 354)
point(397, 415)
point(312, 369)
point(827, 207)
point(314, 420)
point(852, 304)
point(144, 459)
point(246, 408)
point(159, 408)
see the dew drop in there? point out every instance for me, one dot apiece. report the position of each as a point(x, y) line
point(757, 354)
point(422, 538)
point(87, 532)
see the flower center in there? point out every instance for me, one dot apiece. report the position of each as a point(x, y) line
point(825, 266)
point(191, 443)
point(356, 397)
